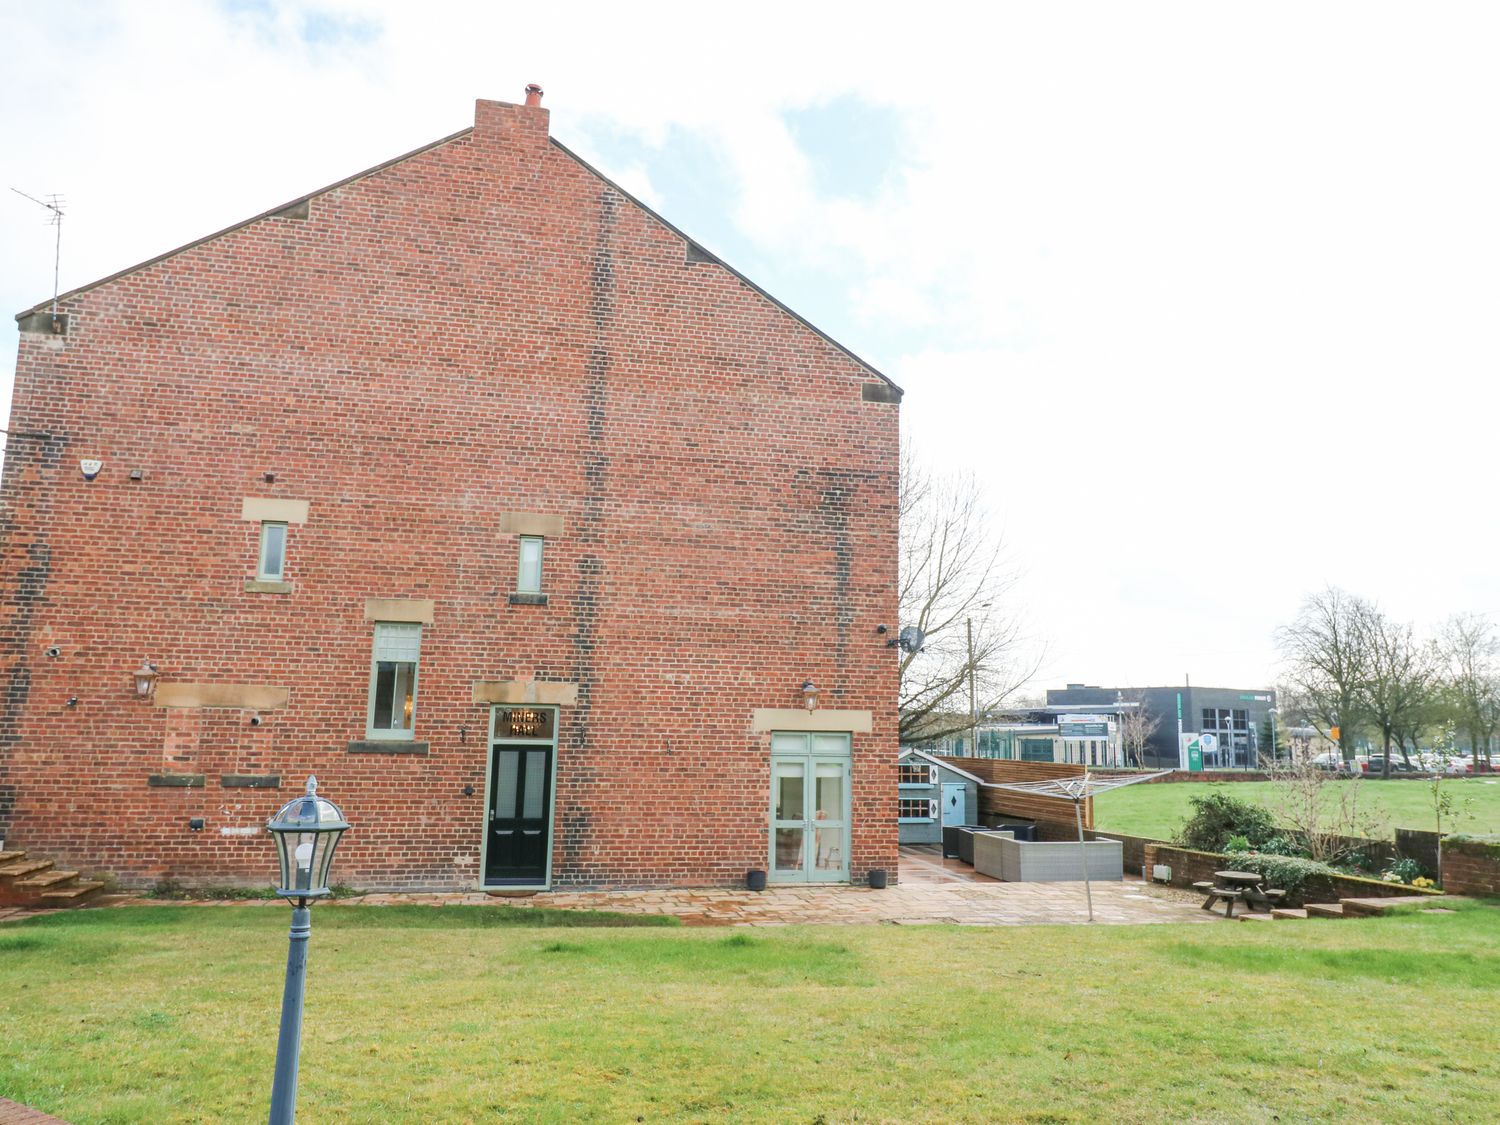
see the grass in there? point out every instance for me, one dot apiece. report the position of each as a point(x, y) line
point(168, 1014)
point(1158, 810)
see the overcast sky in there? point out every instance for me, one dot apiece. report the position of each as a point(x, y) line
point(1204, 294)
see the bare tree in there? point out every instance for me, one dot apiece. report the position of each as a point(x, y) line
point(1137, 726)
point(1470, 651)
point(1400, 676)
point(1326, 664)
point(1322, 812)
point(953, 580)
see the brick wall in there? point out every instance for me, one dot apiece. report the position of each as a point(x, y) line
point(1189, 867)
point(1471, 867)
point(483, 327)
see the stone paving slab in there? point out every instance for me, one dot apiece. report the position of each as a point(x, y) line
point(14, 1113)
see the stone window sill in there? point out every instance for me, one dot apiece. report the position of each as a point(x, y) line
point(175, 781)
point(392, 746)
point(254, 587)
point(528, 599)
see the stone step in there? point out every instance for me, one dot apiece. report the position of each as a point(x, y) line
point(1253, 917)
point(46, 880)
point(24, 867)
point(1288, 912)
point(1366, 907)
point(71, 895)
point(1324, 910)
point(10, 857)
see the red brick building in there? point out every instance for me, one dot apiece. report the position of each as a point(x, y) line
point(478, 490)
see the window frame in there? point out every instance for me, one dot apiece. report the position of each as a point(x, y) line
point(261, 573)
point(389, 734)
point(905, 807)
point(521, 586)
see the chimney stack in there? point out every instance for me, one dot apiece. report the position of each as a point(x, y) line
point(533, 94)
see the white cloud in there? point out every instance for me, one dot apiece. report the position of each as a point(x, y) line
point(1220, 278)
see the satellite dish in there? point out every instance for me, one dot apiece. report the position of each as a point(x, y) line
point(911, 639)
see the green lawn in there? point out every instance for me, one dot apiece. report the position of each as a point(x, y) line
point(169, 1014)
point(1158, 810)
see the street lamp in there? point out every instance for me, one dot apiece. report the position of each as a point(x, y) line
point(306, 830)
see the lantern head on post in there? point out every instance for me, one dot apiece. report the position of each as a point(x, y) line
point(307, 830)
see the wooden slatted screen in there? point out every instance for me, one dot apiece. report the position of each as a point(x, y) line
point(1008, 802)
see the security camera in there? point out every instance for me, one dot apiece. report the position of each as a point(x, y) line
point(54, 652)
point(255, 720)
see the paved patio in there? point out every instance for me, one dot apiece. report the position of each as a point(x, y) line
point(931, 890)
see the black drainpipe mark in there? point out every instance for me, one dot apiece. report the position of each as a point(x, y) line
point(30, 593)
point(590, 526)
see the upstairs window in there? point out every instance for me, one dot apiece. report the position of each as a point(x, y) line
point(393, 679)
point(529, 576)
point(272, 565)
point(914, 774)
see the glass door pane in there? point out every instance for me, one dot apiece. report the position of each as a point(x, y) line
point(788, 817)
point(830, 836)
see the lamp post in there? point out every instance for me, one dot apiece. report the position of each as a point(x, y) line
point(306, 830)
point(1271, 713)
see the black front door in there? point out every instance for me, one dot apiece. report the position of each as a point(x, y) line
point(519, 833)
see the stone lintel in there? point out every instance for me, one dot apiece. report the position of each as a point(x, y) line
point(416, 610)
point(823, 719)
point(530, 523)
point(526, 691)
point(264, 509)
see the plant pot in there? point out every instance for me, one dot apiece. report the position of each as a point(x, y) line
point(877, 879)
point(755, 880)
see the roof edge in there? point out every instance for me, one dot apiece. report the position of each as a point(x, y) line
point(384, 164)
point(692, 242)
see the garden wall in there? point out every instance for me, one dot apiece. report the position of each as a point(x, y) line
point(1471, 867)
point(1414, 843)
point(1134, 846)
point(1189, 867)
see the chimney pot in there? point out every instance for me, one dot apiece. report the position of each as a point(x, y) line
point(533, 94)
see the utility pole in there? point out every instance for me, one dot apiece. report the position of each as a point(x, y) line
point(973, 713)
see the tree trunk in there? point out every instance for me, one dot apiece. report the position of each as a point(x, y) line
point(1385, 762)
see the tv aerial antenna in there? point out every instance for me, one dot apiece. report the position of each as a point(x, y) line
point(52, 203)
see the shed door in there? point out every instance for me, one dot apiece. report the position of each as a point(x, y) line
point(953, 802)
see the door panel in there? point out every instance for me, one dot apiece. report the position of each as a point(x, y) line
point(953, 802)
point(788, 818)
point(519, 836)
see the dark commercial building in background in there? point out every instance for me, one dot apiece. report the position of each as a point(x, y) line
point(1239, 719)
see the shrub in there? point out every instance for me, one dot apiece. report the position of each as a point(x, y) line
point(1236, 844)
point(1280, 845)
point(1288, 872)
point(1218, 816)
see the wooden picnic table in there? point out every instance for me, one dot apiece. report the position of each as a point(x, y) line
point(1238, 886)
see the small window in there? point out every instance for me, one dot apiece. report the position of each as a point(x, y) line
point(393, 680)
point(272, 552)
point(529, 577)
point(916, 809)
point(913, 774)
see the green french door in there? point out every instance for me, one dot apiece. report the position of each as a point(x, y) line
point(809, 807)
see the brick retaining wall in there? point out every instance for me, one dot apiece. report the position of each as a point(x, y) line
point(1189, 867)
point(1471, 867)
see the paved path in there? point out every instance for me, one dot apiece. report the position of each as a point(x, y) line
point(14, 1113)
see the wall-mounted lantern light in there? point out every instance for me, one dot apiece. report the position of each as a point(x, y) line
point(809, 695)
point(145, 679)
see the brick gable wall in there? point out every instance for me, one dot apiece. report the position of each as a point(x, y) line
point(485, 327)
